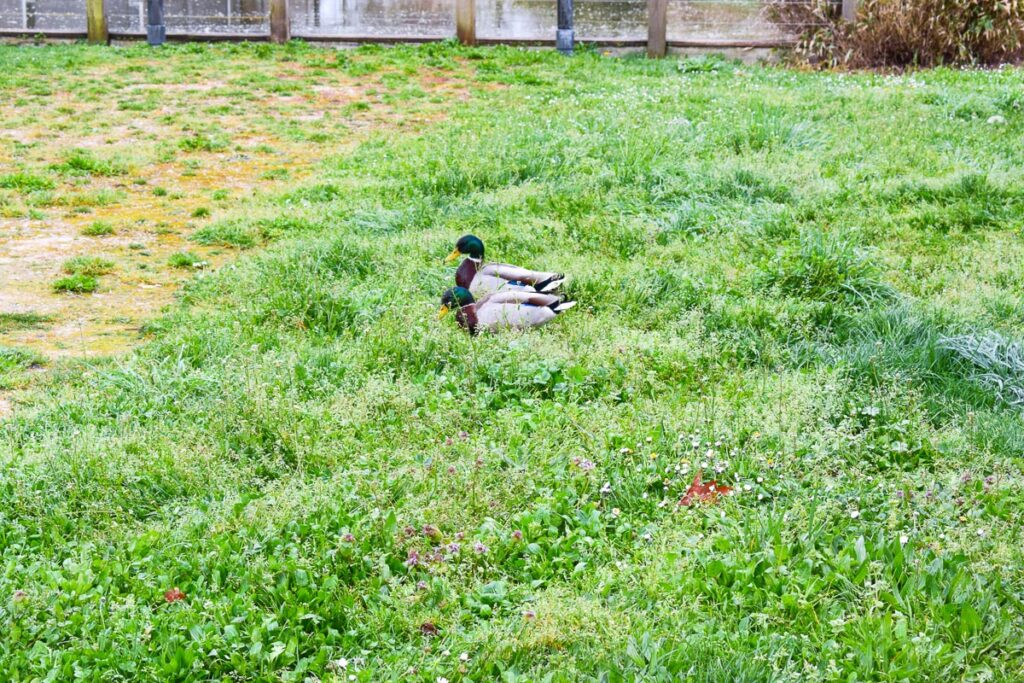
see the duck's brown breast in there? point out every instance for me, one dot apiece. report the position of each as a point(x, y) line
point(465, 273)
point(467, 318)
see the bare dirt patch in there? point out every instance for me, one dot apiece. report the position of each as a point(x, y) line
point(160, 153)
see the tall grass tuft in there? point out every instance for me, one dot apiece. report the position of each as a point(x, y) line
point(825, 268)
point(998, 362)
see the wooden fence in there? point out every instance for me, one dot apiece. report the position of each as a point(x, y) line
point(656, 44)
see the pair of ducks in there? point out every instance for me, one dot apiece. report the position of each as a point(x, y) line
point(496, 296)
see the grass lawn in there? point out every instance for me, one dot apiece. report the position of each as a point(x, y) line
point(804, 285)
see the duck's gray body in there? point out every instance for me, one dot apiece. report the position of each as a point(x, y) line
point(511, 309)
point(483, 279)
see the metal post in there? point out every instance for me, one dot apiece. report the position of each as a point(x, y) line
point(564, 35)
point(156, 31)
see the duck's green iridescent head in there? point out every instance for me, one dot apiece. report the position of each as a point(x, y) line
point(455, 297)
point(468, 245)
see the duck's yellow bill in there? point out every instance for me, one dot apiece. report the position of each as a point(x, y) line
point(443, 312)
point(452, 256)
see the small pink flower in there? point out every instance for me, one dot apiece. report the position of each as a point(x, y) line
point(517, 534)
point(480, 548)
point(413, 559)
point(410, 531)
point(451, 469)
point(19, 596)
point(529, 614)
point(431, 531)
point(421, 585)
point(459, 535)
point(348, 538)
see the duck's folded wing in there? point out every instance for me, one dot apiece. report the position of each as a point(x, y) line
point(512, 316)
point(520, 296)
point(484, 285)
point(515, 273)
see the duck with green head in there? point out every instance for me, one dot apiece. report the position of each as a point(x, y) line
point(506, 310)
point(482, 278)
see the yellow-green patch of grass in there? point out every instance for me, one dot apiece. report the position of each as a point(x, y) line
point(22, 321)
point(185, 259)
point(88, 265)
point(76, 284)
point(98, 229)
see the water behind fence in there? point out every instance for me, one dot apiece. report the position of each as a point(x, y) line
point(711, 21)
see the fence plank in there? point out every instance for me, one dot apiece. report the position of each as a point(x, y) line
point(849, 10)
point(465, 21)
point(280, 22)
point(657, 21)
point(156, 30)
point(564, 36)
point(96, 22)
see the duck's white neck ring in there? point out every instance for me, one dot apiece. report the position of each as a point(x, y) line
point(477, 261)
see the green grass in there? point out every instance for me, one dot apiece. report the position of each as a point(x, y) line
point(225, 234)
point(201, 142)
point(185, 259)
point(26, 182)
point(88, 265)
point(14, 363)
point(77, 284)
point(85, 162)
point(23, 321)
point(98, 229)
point(806, 285)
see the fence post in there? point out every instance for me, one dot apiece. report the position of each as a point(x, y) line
point(465, 21)
point(657, 17)
point(564, 36)
point(156, 31)
point(96, 22)
point(850, 10)
point(280, 23)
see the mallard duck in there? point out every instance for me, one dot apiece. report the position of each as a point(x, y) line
point(506, 310)
point(485, 278)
